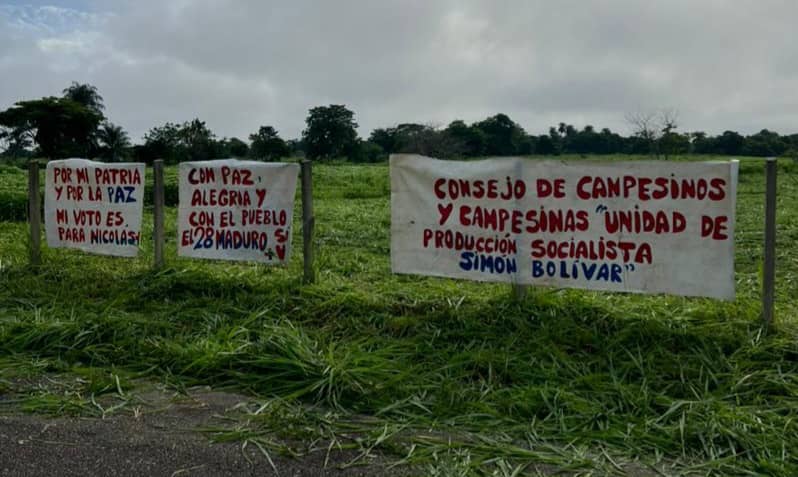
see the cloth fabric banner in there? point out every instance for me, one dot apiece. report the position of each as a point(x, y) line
point(236, 210)
point(632, 226)
point(93, 206)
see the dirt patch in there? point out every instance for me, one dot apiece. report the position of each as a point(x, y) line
point(157, 436)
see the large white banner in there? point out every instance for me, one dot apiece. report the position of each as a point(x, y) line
point(649, 227)
point(236, 210)
point(94, 207)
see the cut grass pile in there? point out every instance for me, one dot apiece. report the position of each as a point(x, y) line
point(454, 376)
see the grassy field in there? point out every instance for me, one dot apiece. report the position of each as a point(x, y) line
point(452, 377)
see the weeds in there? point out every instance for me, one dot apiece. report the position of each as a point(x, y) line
point(449, 377)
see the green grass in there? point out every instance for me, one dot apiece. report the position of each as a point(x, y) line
point(451, 376)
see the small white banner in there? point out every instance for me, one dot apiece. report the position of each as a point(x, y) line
point(236, 210)
point(637, 226)
point(94, 207)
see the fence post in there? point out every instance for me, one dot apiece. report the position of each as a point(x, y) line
point(519, 291)
point(769, 278)
point(34, 214)
point(158, 213)
point(308, 221)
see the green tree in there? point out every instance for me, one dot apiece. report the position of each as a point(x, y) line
point(267, 145)
point(699, 143)
point(646, 132)
point(60, 127)
point(545, 146)
point(502, 135)
point(296, 147)
point(367, 151)
point(568, 136)
point(729, 143)
point(330, 133)
point(585, 141)
point(232, 147)
point(385, 138)
point(162, 142)
point(190, 141)
point(18, 141)
point(197, 140)
point(551, 144)
point(609, 142)
point(471, 138)
point(671, 142)
point(414, 138)
point(87, 95)
point(113, 142)
point(411, 137)
point(765, 143)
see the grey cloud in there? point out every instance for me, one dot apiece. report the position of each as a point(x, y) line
point(237, 65)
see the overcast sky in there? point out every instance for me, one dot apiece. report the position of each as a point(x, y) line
point(722, 64)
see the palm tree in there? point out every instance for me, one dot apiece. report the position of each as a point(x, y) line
point(113, 140)
point(87, 95)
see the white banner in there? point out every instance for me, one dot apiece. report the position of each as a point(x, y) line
point(94, 207)
point(236, 210)
point(638, 226)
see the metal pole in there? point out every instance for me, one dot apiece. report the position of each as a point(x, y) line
point(34, 214)
point(769, 279)
point(308, 221)
point(158, 213)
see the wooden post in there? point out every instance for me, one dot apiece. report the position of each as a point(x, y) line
point(158, 213)
point(769, 278)
point(34, 214)
point(519, 291)
point(308, 221)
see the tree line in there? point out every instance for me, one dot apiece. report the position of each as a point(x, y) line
point(74, 125)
